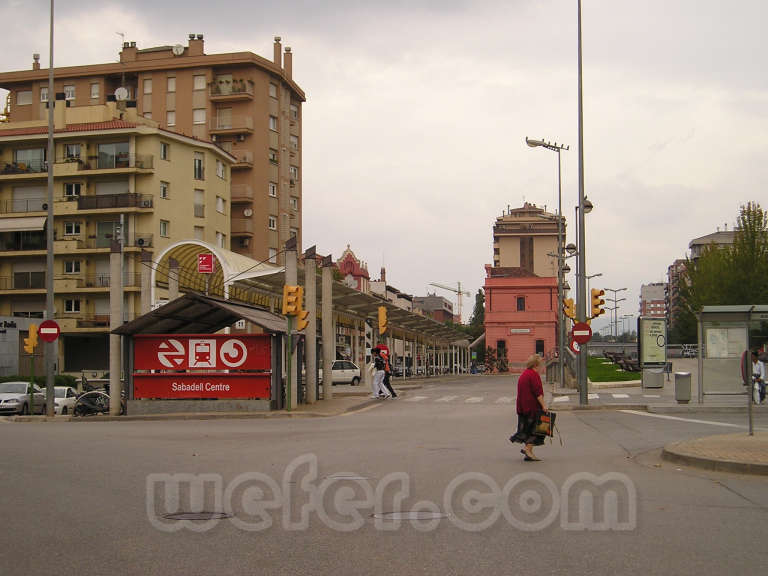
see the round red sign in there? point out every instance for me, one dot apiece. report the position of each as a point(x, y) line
point(575, 347)
point(582, 333)
point(48, 330)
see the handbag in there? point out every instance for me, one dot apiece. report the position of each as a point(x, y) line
point(545, 424)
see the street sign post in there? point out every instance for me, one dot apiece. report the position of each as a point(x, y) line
point(48, 330)
point(582, 333)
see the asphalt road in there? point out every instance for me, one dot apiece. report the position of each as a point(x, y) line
point(90, 498)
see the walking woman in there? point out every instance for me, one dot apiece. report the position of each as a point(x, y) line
point(530, 402)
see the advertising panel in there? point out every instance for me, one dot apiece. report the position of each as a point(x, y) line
point(653, 341)
point(214, 352)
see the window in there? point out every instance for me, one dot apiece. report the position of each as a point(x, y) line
point(164, 228)
point(294, 232)
point(44, 94)
point(165, 151)
point(71, 189)
point(220, 169)
point(521, 303)
point(71, 266)
point(147, 85)
point(69, 91)
point(294, 202)
point(199, 205)
point(94, 91)
point(198, 116)
point(164, 186)
point(72, 151)
point(71, 228)
point(294, 112)
point(273, 123)
point(272, 222)
point(170, 118)
point(273, 189)
point(114, 155)
point(272, 90)
point(273, 155)
point(198, 82)
point(294, 172)
point(540, 347)
point(172, 84)
point(199, 233)
point(273, 255)
point(294, 141)
point(221, 240)
point(71, 306)
point(221, 205)
point(24, 97)
point(199, 173)
point(32, 158)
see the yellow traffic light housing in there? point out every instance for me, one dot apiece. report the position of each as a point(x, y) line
point(568, 309)
point(597, 302)
point(292, 300)
point(302, 319)
point(382, 319)
point(31, 341)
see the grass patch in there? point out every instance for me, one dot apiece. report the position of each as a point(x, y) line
point(600, 371)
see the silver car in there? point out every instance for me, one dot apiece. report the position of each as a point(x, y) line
point(14, 398)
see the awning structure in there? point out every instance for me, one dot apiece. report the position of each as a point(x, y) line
point(197, 314)
point(23, 224)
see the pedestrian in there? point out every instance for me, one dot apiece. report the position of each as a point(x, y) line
point(378, 375)
point(758, 378)
point(530, 403)
point(388, 390)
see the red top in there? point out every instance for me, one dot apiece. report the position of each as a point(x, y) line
point(529, 388)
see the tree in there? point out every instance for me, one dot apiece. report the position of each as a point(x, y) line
point(477, 321)
point(729, 275)
point(490, 359)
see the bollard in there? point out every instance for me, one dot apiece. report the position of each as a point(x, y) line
point(683, 387)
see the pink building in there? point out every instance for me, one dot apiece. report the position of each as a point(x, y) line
point(354, 272)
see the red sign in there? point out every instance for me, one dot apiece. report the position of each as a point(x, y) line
point(48, 330)
point(236, 385)
point(212, 352)
point(582, 333)
point(575, 348)
point(205, 263)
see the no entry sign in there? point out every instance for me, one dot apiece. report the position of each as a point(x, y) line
point(582, 333)
point(48, 331)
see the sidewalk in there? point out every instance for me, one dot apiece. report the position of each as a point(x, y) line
point(739, 453)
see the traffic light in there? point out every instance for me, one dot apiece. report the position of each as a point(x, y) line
point(382, 319)
point(568, 308)
point(31, 341)
point(292, 300)
point(597, 302)
point(302, 319)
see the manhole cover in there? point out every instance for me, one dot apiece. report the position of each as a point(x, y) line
point(197, 516)
point(411, 515)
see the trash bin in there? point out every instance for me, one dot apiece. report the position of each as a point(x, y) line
point(683, 387)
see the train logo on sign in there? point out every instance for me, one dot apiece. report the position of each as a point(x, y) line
point(171, 353)
point(202, 353)
point(233, 353)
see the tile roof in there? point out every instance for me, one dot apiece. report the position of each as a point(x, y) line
point(84, 127)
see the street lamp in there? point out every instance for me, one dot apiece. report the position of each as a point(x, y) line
point(615, 291)
point(592, 276)
point(581, 299)
point(560, 272)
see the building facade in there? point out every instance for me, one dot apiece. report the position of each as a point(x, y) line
point(653, 299)
point(434, 306)
point(353, 271)
point(117, 177)
point(249, 105)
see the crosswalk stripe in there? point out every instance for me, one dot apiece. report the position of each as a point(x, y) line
point(446, 399)
point(651, 395)
point(620, 395)
point(474, 400)
point(593, 396)
point(560, 399)
point(504, 400)
point(416, 399)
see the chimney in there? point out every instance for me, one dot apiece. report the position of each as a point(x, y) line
point(36, 63)
point(384, 275)
point(128, 53)
point(278, 52)
point(195, 45)
point(288, 62)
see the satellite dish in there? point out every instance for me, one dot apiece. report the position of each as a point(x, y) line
point(177, 50)
point(121, 94)
point(247, 212)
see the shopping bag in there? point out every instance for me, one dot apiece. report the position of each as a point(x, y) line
point(545, 425)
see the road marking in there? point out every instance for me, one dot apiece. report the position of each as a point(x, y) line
point(651, 395)
point(416, 399)
point(691, 420)
point(446, 399)
point(620, 395)
point(473, 400)
point(504, 400)
point(593, 396)
point(560, 399)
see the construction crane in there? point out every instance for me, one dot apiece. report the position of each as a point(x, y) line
point(458, 291)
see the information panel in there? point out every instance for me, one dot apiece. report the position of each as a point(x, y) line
point(653, 341)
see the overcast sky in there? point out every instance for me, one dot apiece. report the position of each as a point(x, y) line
point(417, 112)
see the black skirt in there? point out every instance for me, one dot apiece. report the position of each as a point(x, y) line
point(526, 424)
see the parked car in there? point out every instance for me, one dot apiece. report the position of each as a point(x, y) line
point(64, 399)
point(344, 372)
point(14, 398)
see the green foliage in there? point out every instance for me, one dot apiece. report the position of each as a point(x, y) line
point(59, 380)
point(502, 362)
point(490, 359)
point(603, 370)
point(477, 321)
point(729, 275)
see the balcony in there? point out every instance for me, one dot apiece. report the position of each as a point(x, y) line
point(117, 162)
point(242, 227)
point(30, 167)
point(234, 125)
point(112, 201)
point(14, 242)
point(231, 90)
point(72, 282)
point(23, 205)
point(241, 193)
point(244, 159)
point(23, 281)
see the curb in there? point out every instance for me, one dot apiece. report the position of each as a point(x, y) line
point(695, 409)
point(588, 407)
point(670, 455)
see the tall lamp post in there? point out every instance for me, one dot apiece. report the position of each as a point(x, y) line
point(581, 288)
point(560, 272)
point(615, 301)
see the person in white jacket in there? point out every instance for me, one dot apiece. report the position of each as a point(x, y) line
point(758, 378)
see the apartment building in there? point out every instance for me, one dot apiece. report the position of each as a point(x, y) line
point(117, 176)
point(653, 299)
point(248, 105)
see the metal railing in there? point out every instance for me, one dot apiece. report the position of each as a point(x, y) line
point(22, 241)
point(125, 200)
point(231, 88)
point(23, 281)
point(113, 161)
point(233, 123)
point(30, 167)
point(23, 205)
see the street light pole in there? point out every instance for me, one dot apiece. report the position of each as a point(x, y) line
point(581, 300)
point(615, 291)
point(560, 316)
